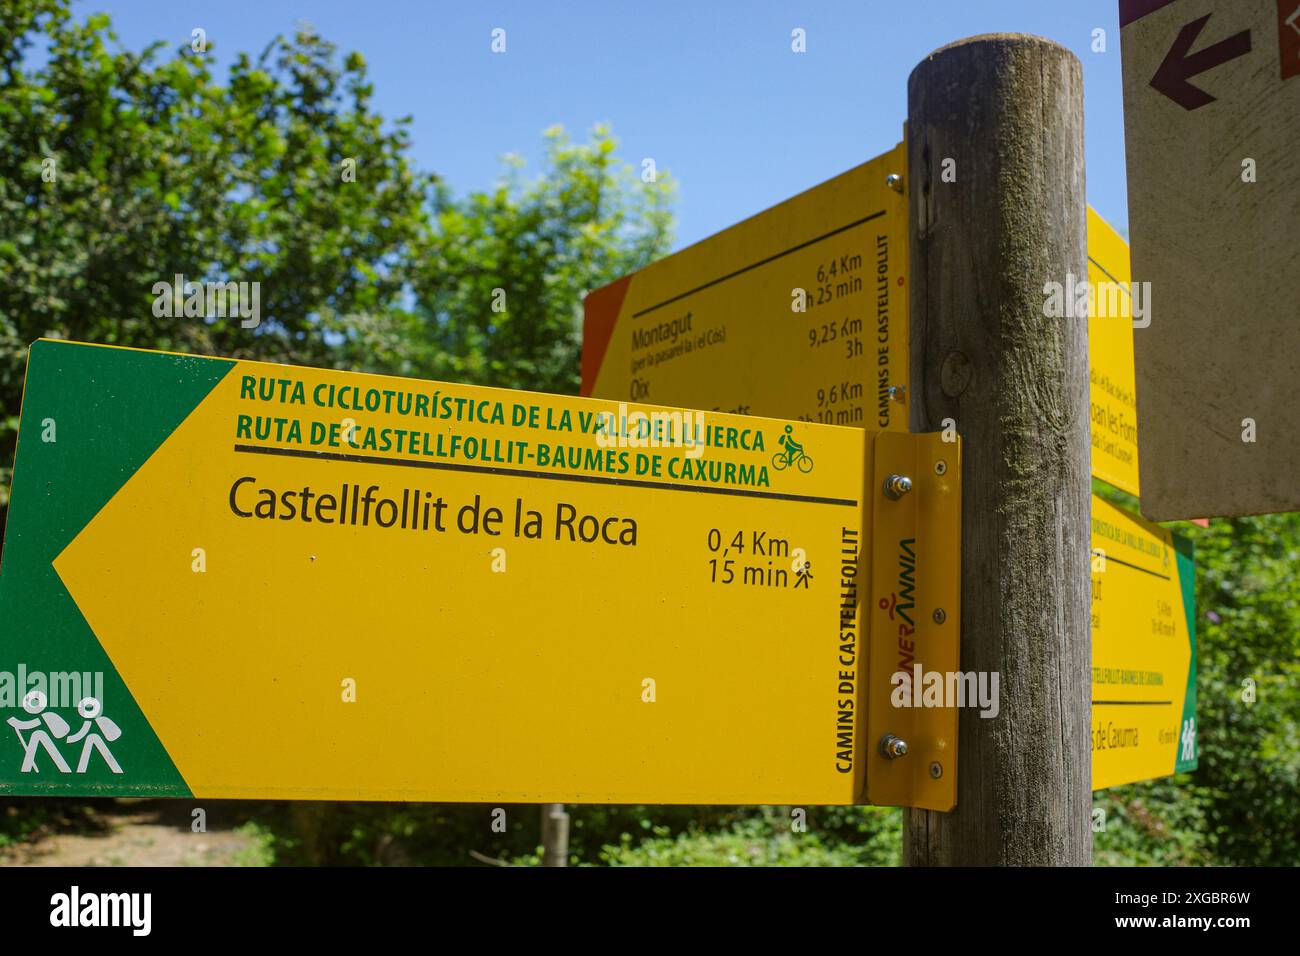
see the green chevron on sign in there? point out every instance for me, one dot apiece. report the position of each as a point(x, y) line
point(78, 444)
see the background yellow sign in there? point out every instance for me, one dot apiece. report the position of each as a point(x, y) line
point(1143, 650)
point(719, 325)
point(1113, 407)
point(801, 308)
point(772, 357)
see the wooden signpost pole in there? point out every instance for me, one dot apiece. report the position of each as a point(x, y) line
point(555, 835)
point(995, 130)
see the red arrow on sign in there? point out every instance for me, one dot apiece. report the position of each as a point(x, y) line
point(1178, 66)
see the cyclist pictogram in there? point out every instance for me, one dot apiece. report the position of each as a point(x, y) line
point(793, 456)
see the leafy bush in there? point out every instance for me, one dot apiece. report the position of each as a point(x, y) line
point(873, 834)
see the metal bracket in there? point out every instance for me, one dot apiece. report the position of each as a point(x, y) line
point(914, 619)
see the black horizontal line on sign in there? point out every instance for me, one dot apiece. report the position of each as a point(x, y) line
point(755, 265)
point(545, 475)
point(1107, 274)
point(1154, 574)
point(1132, 703)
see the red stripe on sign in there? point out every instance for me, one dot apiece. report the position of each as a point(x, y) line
point(1130, 10)
point(600, 311)
point(1288, 37)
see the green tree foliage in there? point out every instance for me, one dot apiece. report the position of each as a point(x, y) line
point(119, 170)
point(400, 834)
point(498, 281)
point(161, 170)
point(1248, 594)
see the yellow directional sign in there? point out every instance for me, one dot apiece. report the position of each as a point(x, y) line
point(1111, 318)
point(801, 312)
point(298, 583)
point(801, 308)
point(1143, 594)
point(1143, 650)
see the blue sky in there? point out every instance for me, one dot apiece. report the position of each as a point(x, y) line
point(709, 88)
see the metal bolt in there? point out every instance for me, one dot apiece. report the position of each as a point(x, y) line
point(894, 182)
point(893, 747)
point(936, 770)
point(896, 486)
point(940, 467)
point(897, 393)
point(939, 615)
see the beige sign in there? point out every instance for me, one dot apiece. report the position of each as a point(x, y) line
point(1212, 122)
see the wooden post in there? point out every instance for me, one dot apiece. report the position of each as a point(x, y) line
point(989, 229)
point(555, 835)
